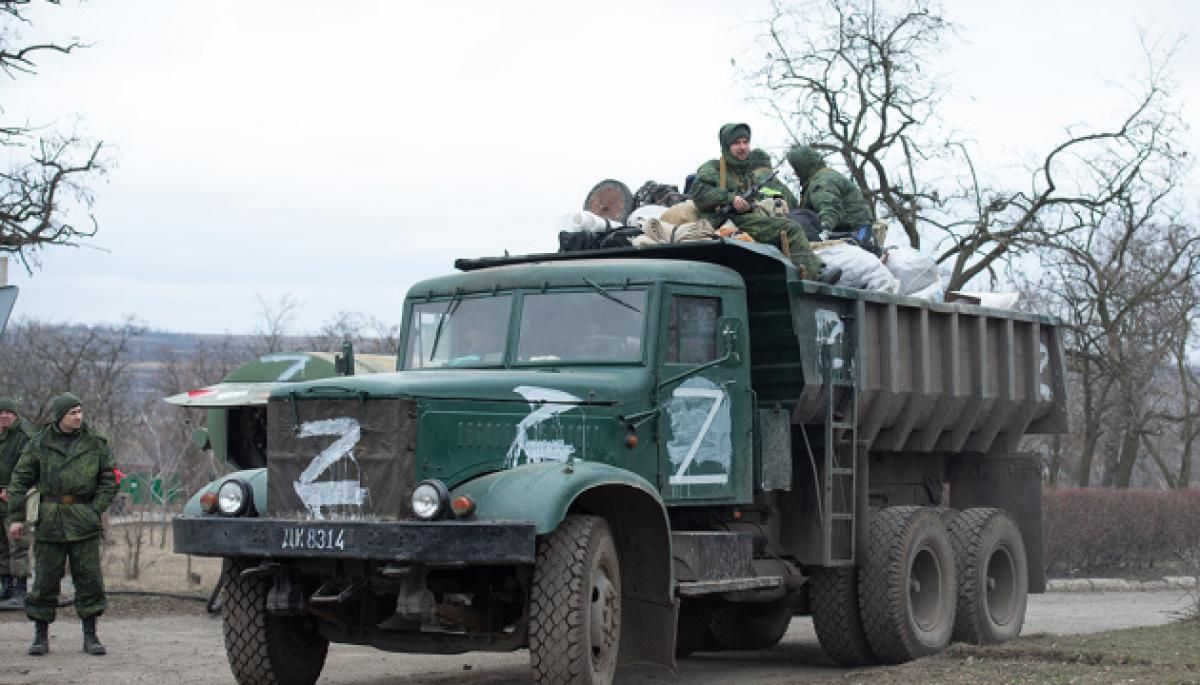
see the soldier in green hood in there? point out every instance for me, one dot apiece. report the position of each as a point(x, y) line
point(72, 467)
point(838, 202)
point(14, 555)
point(721, 182)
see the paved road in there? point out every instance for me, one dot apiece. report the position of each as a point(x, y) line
point(187, 650)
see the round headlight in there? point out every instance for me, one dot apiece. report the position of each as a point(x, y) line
point(429, 499)
point(233, 497)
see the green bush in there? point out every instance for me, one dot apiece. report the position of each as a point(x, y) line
point(1095, 530)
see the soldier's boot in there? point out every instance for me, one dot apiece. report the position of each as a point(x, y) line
point(41, 638)
point(16, 598)
point(91, 643)
point(6, 587)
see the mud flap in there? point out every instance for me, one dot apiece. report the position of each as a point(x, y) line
point(648, 632)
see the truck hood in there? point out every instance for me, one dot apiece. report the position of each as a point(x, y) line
point(594, 385)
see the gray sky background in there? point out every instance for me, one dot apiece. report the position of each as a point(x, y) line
point(339, 152)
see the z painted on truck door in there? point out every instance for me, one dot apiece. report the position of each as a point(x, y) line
point(705, 419)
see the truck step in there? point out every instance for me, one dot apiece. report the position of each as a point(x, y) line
point(840, 471)
point(712, 587)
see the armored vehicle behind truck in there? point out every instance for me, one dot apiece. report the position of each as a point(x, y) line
point(630, 455)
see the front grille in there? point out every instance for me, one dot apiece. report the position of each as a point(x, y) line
point(340, 458)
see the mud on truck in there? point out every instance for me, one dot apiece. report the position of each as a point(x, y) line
point(624, 456)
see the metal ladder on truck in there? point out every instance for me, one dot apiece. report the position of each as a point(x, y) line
point(841, 449)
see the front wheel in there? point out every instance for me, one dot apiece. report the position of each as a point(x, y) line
point(993, 579)
point(265, 649)
point(575, 605)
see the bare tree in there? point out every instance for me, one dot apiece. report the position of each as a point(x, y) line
point(50, 174)
point(1125, 288)
point(854, 79)
point(97, 363)
point(369, 335)
point(271, 336)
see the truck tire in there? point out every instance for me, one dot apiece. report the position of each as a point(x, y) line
point(575, 605)
point(837, 619)
point(906, 586)
point(265, 649)
point(993, 579)
point(750, 625)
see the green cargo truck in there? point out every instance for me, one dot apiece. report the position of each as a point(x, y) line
point(624, 456)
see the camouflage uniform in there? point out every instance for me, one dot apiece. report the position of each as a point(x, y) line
point(14, 554)
point(77, 465)
point(709, 193)
point(838, 202)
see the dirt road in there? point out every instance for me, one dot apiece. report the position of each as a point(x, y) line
point(185, 648)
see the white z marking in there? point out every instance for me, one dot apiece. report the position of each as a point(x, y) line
point(330, 493)
point(301, 361)
point(717, 396)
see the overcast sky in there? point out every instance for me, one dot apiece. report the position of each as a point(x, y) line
point(339, 152)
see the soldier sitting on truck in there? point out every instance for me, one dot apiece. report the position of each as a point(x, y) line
point(720, 190)
point(836, 200)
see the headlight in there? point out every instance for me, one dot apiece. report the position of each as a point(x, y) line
point(429, 499)
point(233, 497)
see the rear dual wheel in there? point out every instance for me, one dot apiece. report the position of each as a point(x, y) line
point(993, 576)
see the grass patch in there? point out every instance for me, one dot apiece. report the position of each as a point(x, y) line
point(1168, 654)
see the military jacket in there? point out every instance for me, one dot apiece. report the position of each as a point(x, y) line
point(709, 194)
point(12, 441)
point(82, 467)
point(837, 201)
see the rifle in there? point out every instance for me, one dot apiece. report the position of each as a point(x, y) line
point(726, 212)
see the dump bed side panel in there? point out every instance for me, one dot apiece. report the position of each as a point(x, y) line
point(931, 377)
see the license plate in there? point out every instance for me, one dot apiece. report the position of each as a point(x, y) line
point(315, 538)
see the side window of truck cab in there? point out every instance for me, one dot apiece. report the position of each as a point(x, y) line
point(692, 329)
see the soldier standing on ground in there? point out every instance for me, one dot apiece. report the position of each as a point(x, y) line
point(14, 555)
point(721, 182)
point(72, 467)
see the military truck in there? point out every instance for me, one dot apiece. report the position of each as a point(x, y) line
point(623, 456)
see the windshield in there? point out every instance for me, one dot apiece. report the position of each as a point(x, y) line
point(459, 332)
point(596, 326)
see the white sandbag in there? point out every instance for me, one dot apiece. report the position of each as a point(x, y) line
point(587, 221)
point(860, 269)
point(995, 300)
point(917, 273)
point(934, 292)
point(639, 216)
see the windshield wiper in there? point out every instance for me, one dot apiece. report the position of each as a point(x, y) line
point(446, 314)
point(600, 289)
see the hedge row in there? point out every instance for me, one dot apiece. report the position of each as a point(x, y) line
point(1091, 530)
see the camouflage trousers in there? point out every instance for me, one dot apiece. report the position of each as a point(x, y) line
point(50, 560)
point(766, 229)
point(14, 557)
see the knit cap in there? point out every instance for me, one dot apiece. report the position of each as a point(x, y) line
point(59, 406)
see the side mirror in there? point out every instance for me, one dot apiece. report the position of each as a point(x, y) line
point(730, 330)
point(200, 438)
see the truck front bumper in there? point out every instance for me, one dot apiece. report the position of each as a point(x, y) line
point(428, 542)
